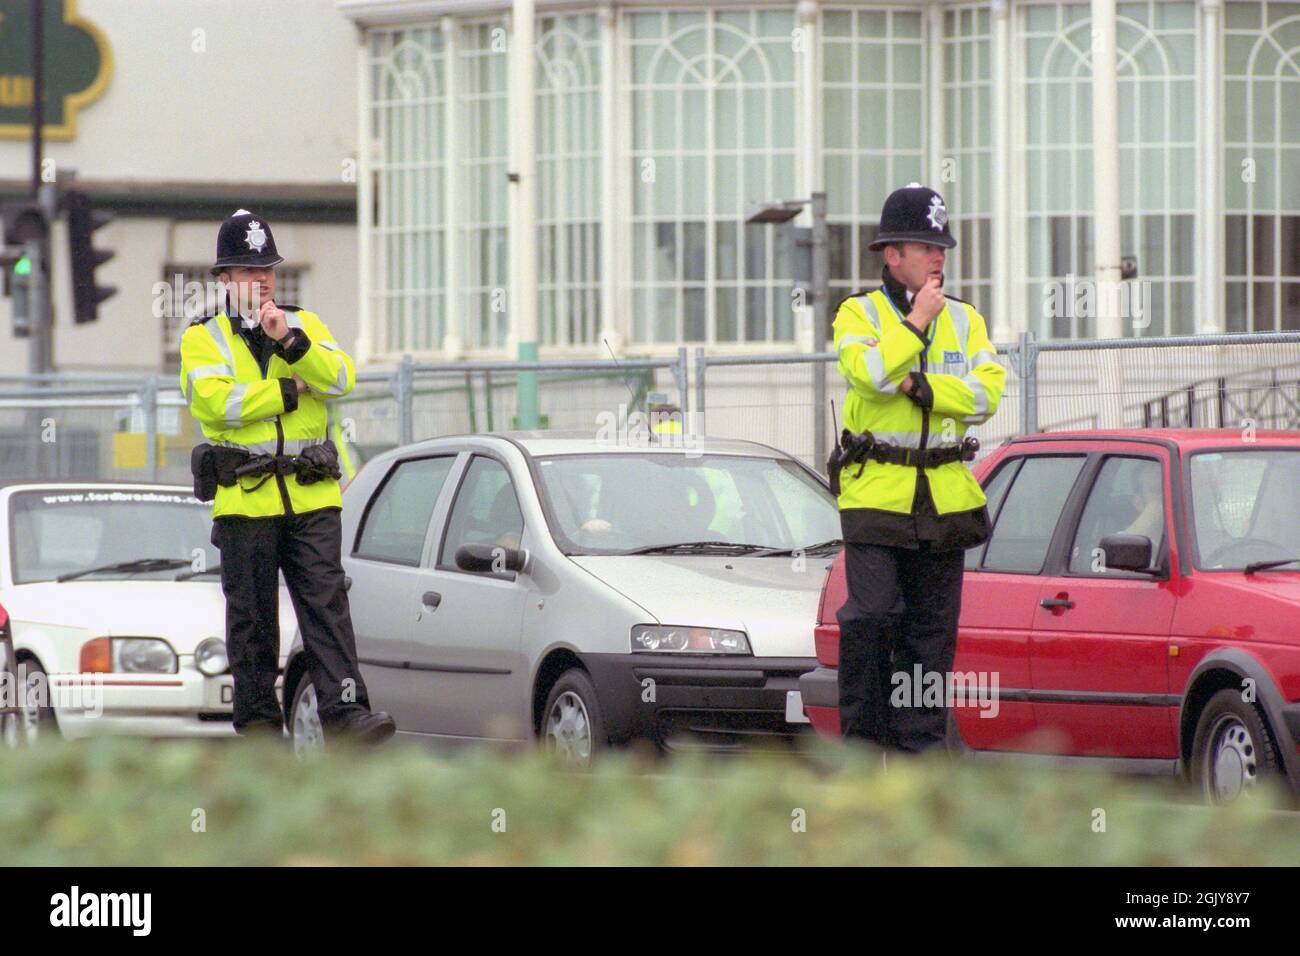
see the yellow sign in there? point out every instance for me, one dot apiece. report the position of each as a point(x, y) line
point(78, 64)
point(130, 451)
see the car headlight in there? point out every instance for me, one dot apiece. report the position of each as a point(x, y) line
point(210, 657)
point(700, 640)
point(143, 655)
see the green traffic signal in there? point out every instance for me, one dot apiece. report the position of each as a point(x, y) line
point(23, 267)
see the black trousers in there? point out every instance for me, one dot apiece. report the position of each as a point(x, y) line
point(901, 611)
point(307, 548)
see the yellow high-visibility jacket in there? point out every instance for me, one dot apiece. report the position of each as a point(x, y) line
point(963, 383)
point(239, 406)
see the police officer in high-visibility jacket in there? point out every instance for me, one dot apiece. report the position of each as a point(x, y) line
point(259, 378)
point(921, 371)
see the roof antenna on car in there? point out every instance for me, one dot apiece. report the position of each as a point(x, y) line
point(648, 429)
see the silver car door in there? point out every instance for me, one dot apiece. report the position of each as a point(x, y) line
point(387, 580)
point(469, 649)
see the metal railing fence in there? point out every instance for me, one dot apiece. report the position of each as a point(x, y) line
point(121, 426)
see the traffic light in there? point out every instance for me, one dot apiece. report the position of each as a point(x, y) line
point(24, 222)
point(84, 258)
point(18, 286)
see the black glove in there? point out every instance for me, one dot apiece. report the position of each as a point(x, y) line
point(922, 394)
point(318, 462)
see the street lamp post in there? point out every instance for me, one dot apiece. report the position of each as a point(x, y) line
point(813, 276)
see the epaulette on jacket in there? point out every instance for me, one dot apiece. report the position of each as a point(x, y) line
point(852, 295)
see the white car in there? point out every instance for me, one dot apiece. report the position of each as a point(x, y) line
point(114, 596)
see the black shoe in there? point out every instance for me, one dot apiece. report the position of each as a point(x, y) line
point(368, 727)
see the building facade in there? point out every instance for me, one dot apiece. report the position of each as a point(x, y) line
point(658, 125)
point(201, 108)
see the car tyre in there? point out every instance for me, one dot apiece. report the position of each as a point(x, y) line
point(34, 723)
point(572, 726)
point(1232, 750)
point(305, 730)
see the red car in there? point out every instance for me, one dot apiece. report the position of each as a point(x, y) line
point(1137, 605)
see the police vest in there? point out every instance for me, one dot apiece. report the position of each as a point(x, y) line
point(238, 406)
point(876, 352)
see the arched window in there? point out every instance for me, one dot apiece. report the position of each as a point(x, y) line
point(569, 179)
point(965, 175)
point(1156, 51)
point(484, 152)
point(873, 63)
point(713, 130)
point(1262, 165)
point(404, 124)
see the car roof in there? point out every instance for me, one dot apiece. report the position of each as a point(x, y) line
point(67, 484)
point(577, 442)
point(1188, 439)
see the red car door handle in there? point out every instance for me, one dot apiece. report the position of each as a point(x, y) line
point(1056, 602)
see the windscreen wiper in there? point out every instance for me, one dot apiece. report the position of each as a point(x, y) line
point(834, 544)
point(140, 564)
point(1266, 565)
point(699, 547)
point(186, 575)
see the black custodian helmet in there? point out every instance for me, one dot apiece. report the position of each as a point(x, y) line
point(245, 240)
point(914, 213)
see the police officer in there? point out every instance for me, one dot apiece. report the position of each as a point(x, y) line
point(921, 371)
point(259, 378)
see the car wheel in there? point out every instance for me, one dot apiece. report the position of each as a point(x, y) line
point(1232, 750)
point(572, 727)
point(35, 722)
point(305, 728)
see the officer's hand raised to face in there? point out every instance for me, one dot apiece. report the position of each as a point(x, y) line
point(276, 325)
point(927, 304)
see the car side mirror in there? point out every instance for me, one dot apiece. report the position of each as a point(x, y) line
point(347, 583)
point(490, 558)
point(1127, 552)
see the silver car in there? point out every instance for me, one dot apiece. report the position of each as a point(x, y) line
point(507, 587)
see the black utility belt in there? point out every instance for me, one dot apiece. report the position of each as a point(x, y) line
point(860, 447)
point(914, 457)
point(214, 465)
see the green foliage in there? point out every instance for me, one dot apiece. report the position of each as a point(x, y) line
point(132, 802)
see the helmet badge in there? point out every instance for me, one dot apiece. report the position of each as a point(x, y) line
point(938, 214)
point(256, 236)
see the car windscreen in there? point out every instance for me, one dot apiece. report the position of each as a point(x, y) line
point(618, 503)
point(1244, 507)
point(54, 533)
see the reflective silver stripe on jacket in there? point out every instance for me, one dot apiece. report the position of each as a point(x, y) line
point(857, 340)
point(205, 371)
point(869, 306)
point(234, 404)
point(218, 336)
point(871, 357)
point(340, 385)
point(981, 397)
point(960, 323)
